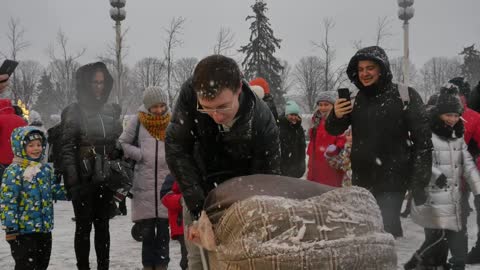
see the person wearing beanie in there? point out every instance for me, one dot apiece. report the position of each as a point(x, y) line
point(260, 84)
point(472, 139)
point(318, 168)
point(89, 131)
point(443, 215)
point(391, 147)
point(292, 141)
point(143, 140)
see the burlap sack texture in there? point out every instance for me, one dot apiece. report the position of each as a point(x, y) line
point(340, 229)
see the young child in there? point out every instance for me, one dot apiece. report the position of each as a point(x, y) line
point(443, 216)
point(26, 200)
point(339, 158)
point(171, 197)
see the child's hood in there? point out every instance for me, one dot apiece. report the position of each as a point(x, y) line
point(19, 141)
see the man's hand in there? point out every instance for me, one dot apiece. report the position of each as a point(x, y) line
point(342, 107)
point(3, 85)
point(193, 234)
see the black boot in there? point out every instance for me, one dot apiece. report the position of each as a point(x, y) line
point(413, 263)
point(473, 256)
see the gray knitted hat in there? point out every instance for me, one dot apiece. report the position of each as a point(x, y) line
point(154, 95)
point(329, 97)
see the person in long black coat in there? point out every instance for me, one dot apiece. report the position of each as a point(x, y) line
point(392, 147)
point(292, 141)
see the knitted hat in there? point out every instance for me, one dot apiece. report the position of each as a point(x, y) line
point(463, 86)
point(34, 135)
point(291, 107)
point(258, 90)
point(448, 100)
point(154, 95)
point(262, 83)
point(329, 97)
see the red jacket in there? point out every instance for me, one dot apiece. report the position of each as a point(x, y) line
point(472, 126)
point(8, 122)
point(172, 202)
point(318, 168)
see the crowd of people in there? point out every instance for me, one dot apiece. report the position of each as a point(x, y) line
point(383, 138)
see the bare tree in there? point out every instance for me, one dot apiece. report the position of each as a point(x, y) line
point(17, 43)
point(62, 68)
point(286, 80)
point(149, 71)
point(182, 71)
point(437, 71)
point(309, 76)
point(225, 41)
point(396, 67)
point(332, 77)
point(172, 42)
point(383, 30)
point(357, 44)
point(28, 75)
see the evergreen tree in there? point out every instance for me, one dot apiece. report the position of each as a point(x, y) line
point(259, 60)
point(471, 65)
point(45, 104)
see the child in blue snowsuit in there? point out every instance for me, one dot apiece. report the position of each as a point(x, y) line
point(26, 200)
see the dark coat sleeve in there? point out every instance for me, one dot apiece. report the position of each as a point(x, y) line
point(421, 136)
point(267, 154)
point(474, 99)
point(337, 126)
point(179, 150)
point(69, 139)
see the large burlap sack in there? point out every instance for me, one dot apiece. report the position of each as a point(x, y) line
point(340, 229)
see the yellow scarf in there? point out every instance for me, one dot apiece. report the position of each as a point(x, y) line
point(156, 125)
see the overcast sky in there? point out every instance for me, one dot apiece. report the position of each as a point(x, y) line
point(439, 28)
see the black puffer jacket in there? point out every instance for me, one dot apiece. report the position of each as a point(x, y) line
point(292, 144)
point(474, 98)
point(201, 156)
point(383, 157)
point(90, 122)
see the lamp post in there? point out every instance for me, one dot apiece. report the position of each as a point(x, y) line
point(405, 13)
point(118, 14)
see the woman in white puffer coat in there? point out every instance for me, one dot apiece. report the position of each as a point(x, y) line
point(144, 141)
point(442, 215)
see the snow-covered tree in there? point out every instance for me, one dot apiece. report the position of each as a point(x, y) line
point(471, 64)
point(45, 104)
point(437, 71)
point(259, 53)
point(309, 76)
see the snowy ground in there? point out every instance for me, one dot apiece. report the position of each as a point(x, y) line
point(126, 253)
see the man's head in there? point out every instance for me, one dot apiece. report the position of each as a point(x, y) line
point(155, 100)
point(217, 83)
point(369, 67)
point(369, 72)
point(98, 83)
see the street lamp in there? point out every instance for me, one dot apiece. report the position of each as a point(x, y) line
point(118, 14)
point(405, 13)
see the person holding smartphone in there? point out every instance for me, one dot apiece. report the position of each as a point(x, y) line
point(391, 147)
point(3, 82)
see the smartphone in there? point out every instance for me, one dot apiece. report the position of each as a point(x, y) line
point(344, 93)
point(8, 67)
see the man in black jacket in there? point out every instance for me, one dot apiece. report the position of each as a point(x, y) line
point(90, 126)
point(392, 148)
point(219, 129)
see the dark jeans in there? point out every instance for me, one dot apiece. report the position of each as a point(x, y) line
point(390, 204)
point(31, 251)
point(93, 208)
point(183, 250)
point(155, 242)
point(434, 249)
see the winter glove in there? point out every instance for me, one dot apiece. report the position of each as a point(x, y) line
point(441, 181)
point(419, 196)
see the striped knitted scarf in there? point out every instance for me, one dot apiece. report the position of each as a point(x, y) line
point(156, 125)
